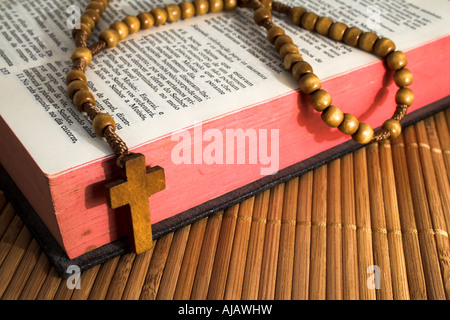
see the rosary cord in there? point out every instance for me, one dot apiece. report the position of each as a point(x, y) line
point(97, 47)
point(80, 38)
point(281, 7)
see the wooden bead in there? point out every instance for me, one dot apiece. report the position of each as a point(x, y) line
point(82, 53)
point(367, 41)
point(104, 2)
point(121, 28)
point(133, 23)
point(74, 86)
point(146, 19)
point(110, 36)
point(383, 47)
point(351, 36)
point(281, 40)
point(173, 12)
point(320, 100)
point(93, 14)
point(396, 60)
point(394, 127)
point(260, 15)
point(290, 59)
point(295, 14)
point(101, 121)
point(349, 125)
point(160, 15)
point(267, 4)
point(403, 78)
point(73, 75)
point(215, 6)
point(309, 20)
point(187, 10)
point(337, 31)
point(201, 6)
point(404, 96)
point(323, 25)
point(87, 20)
point(100, 4)
point(273, 33)
point(332, 116)
point(301, 68)
point(229, 5)
point(309, 83)
point(81, 97)
point(288, 48)
point(97, 6)
point(83, 27)
point(364, 134)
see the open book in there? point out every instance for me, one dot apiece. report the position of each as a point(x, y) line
point(206, 98)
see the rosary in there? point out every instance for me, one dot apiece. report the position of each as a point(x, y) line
point(139, 181)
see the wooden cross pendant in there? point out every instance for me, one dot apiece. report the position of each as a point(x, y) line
point(140, 182)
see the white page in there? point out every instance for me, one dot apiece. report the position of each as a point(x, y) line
point(162, 80)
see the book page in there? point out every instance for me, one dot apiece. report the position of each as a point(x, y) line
point(171, 77)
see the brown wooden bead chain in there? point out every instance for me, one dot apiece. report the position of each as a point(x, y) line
point(309, 83)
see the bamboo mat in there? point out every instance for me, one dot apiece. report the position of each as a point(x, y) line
point(370, 225)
